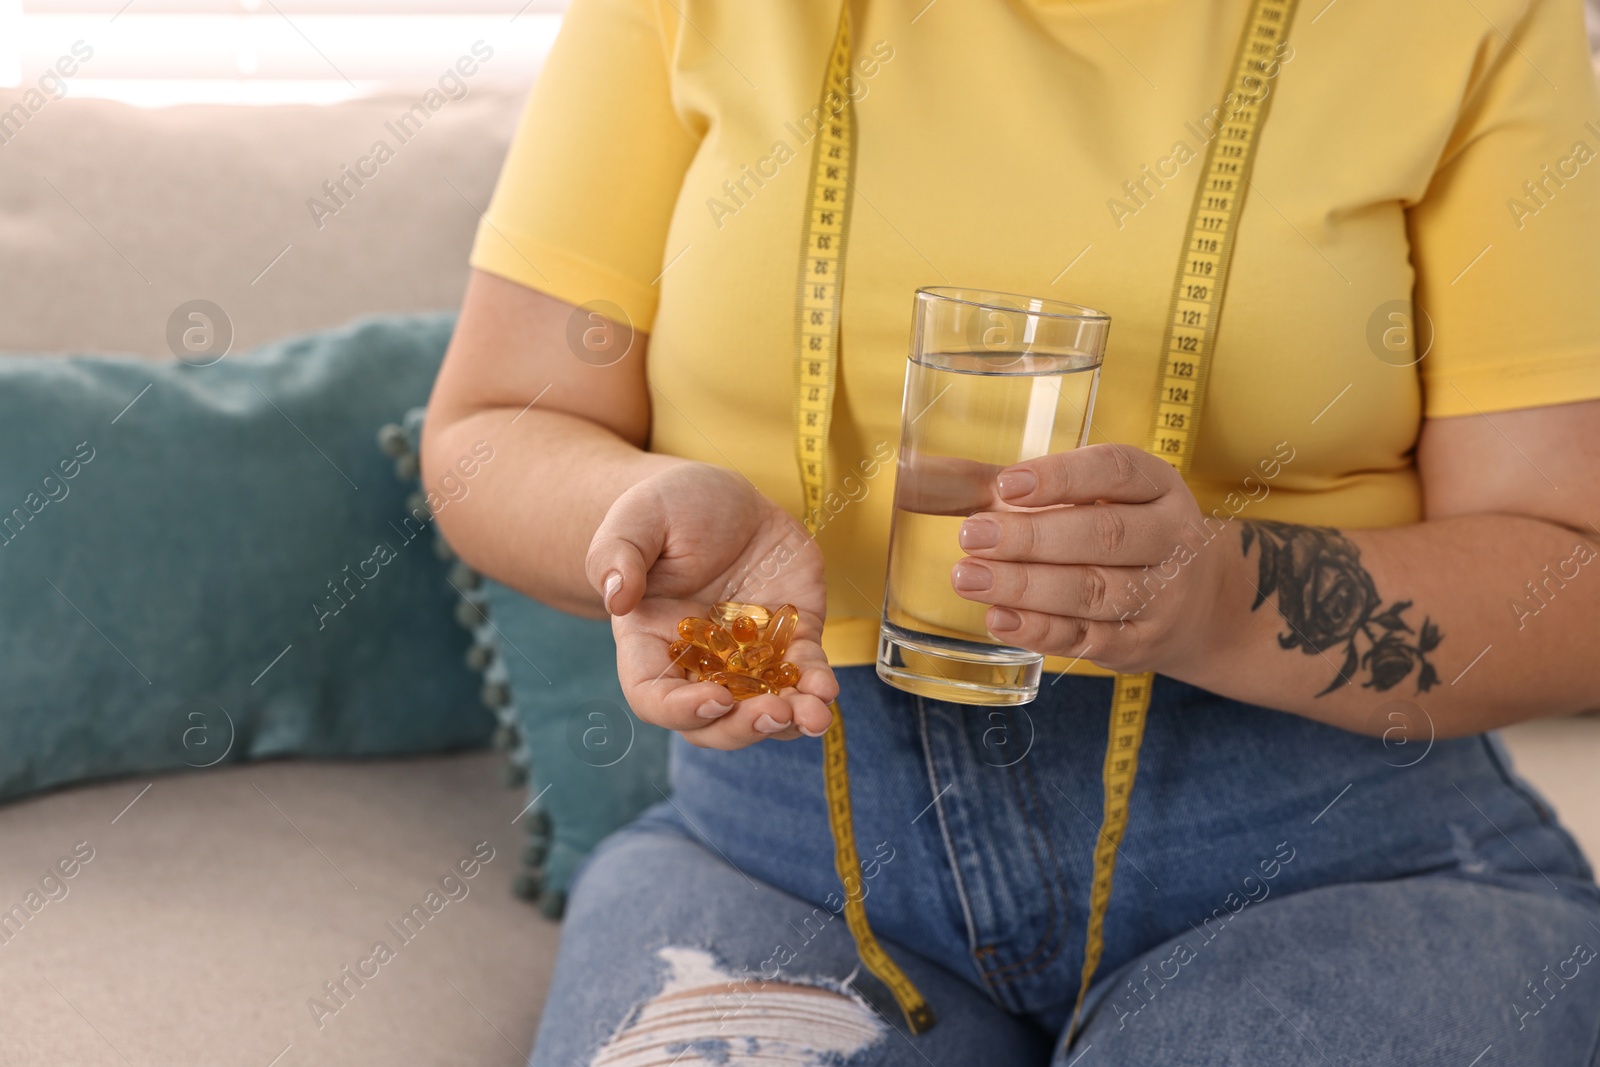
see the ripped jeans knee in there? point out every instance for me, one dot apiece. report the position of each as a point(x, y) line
point(705, 1014)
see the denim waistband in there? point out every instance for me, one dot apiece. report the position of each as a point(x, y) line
point(977, 825)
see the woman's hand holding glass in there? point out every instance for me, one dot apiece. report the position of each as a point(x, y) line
point(1096, 553)
point(669, 548)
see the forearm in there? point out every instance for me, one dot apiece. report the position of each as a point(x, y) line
point(527, 517)
point(1480, 620)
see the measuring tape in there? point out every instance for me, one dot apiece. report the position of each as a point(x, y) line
point(1191, 331)
point(819, 293)
point(821, 284)
point(847, 862)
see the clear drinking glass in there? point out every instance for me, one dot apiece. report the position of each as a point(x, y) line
point(993, 379)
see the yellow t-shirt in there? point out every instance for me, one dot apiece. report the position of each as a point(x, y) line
point(1423, 148)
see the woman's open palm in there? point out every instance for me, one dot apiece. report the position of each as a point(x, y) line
point(671, 547)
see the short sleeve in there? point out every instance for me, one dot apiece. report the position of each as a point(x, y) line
point(587, 191)
point(1506, 240)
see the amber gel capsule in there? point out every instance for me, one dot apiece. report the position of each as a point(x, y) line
point(723, 613)
point(751, 658)
point(739, 686)
point(782, 627)
point(744, 629)
point(693, 658)
point(709, 636)
point(783, 676)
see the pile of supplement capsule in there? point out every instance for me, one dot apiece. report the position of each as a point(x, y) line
point(740, 647)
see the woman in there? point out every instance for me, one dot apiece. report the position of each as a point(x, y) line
point(1327, 860)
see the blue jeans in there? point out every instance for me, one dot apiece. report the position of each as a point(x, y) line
point(1287, 893)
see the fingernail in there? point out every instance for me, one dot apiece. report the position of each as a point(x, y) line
point(810, 733)
point(1004, 619)
point(768, 725)
point(971, 577)
point(613, 586)
point(1017, 483)
point(979, 533)
point(712, 710)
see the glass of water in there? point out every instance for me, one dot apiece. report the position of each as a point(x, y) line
point(992, 379)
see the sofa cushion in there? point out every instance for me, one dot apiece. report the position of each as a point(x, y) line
point(206, 562)
point(592, 765)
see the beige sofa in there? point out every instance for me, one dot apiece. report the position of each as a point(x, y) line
point(216, 906)
point(217, 903)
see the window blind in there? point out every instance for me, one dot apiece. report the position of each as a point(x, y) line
point(156, 52)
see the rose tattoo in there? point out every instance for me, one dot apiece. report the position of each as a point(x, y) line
point(1327, 598)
